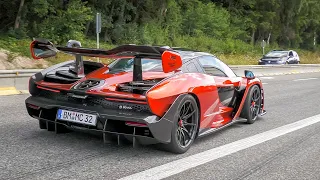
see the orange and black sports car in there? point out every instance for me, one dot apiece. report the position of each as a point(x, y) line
point(148, 94)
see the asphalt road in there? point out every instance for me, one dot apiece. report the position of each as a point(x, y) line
point(26, 152)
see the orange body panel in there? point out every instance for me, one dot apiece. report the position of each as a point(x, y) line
point(202, 86)
point(171, 61)
point(112, 80)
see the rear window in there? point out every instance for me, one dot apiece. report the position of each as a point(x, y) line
point(126, 64)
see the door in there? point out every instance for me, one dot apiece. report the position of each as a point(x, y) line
point(226, 82)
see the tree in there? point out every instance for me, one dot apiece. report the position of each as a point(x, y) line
point(219, 25)
point(18, 18)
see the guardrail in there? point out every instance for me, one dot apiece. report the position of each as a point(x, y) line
point(273, 66)
point(29, 72)
point(18, 73)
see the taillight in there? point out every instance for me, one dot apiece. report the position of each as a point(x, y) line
point(48, 89)
point(33, 106)
point(135, 124)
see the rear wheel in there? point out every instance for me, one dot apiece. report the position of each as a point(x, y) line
point(252, 104)
point(185, 126)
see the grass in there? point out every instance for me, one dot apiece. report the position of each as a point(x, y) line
point(21, 47)
point(239, 59)
point(308, 57)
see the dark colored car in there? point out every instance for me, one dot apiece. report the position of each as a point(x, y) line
point(150, 94)
point(280, 57)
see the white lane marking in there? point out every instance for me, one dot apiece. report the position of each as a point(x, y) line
point(305, 79)
point(264, 83)
point(266, 77)
point(178, 166)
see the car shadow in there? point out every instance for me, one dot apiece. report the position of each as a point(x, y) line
point(224, 131)
point(92, 142)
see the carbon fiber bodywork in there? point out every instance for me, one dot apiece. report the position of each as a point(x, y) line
point(160, 127)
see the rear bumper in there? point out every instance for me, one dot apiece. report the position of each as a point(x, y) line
point(110, 121)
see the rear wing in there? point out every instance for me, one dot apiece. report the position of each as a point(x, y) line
point(74, 47)
point(171, 60)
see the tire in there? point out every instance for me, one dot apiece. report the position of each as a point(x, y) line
point(252, 105)
point(185, 126)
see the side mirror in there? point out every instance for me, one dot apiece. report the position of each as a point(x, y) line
point(249, 74)
point(171, 61)
point(42, 49)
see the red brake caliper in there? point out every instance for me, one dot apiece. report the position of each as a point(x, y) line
point(180, 123)
point(253, 103)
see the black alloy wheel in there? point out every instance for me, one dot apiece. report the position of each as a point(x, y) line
point(252, 104)
point(185, 125)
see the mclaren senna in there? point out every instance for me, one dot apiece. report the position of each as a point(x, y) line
point(148, 94)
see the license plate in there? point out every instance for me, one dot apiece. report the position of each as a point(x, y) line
point(77, 117)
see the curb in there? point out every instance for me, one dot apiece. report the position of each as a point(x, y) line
point(5, 91)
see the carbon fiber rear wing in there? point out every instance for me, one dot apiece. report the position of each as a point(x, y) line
point(171, 60)
point(74, 47)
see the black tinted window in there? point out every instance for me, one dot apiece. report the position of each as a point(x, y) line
point(214, 71)
point(126, 64)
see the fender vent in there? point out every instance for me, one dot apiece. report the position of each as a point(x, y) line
point(88, 84)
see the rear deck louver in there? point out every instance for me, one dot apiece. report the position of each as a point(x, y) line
point(87, 84)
